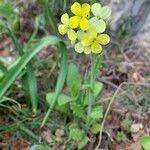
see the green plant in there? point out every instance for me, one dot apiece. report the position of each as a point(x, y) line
point(26, 53)
point(79, 104)
point(126, 123)
point(145, 141)
point(75, 106)
point(121, 136)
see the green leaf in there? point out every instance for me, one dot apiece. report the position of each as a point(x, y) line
point(61, 78)
point(6, 11)
point(97, 88)
point(77, 110)
point(62, 99)
point(40, 147)
point(73, 80)
point(49, 97)
point(95, 128)
point(3, 69)
point(97, 113)
point(29, 79)
point(16, 70)
point(145, 141)
point(83, 142)
point(75, 133)
point(121, 136)
point(49, 16)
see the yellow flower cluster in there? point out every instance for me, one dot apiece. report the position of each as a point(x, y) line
point(86, 27)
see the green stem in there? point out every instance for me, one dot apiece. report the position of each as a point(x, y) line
point(92, 78)
point(49, 111)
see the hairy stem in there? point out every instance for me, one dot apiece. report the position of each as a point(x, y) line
point(92, 79)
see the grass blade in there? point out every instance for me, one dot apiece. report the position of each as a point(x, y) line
point(60, 80)
point(3, 68)
point(29, 79)
point(14, 72)
point(49, 17)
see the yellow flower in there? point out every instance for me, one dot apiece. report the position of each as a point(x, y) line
point(80, 19)
point(65, 28)
point(95, 41)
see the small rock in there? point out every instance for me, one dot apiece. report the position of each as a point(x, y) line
point(59, 132)
point(136, 127)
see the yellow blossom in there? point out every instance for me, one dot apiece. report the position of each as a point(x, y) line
point(65, 28)
point(80, 19)
point(90, 41)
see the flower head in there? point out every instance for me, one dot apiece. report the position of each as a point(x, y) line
point(80, 16)
point(65, 28)
point(91, 42)
point(85, 29)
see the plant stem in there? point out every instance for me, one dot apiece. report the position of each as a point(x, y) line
point(92, 78)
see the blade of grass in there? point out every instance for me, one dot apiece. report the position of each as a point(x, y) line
point(3, 68)
point(29, 132)
point(14, 72)
point(60, 80)
point(49, 17)
point(29, 79)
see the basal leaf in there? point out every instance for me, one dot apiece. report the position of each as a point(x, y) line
point(145, 141)
point(63, 99)
point(77, 110)
point(75, 133)
point(73, 80)
point(96, 113)
point(95, 128)
point(83, 142)
point(97, 88)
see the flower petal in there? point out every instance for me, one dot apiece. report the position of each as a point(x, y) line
point(76, 9)
point(96, 7)
point(96, 48)
point(105, 12)
point(80, 34)
point(103, 39)
point(85, 9)
point(65, 19)
point(62, 29)
point(99, 24)
point(87, 41)
point(92, 32)
point(87, 50)
point(84, 24)
point(72, 35)
point(79, 47)
point(74, 22)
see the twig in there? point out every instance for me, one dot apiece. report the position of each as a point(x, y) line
point(107, 82)
point(111, 102)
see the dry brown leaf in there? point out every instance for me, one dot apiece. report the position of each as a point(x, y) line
point(46, 134)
